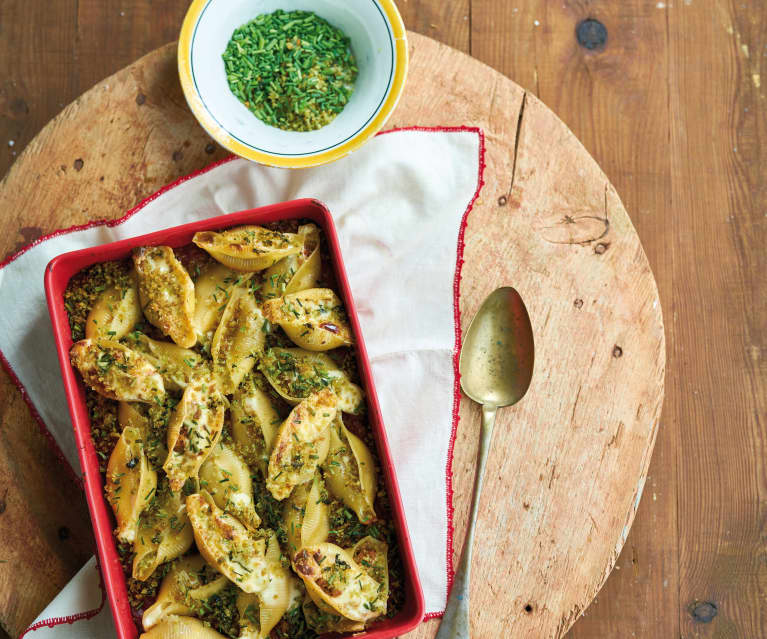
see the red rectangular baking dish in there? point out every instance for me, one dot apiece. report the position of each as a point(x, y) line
point(57, 275)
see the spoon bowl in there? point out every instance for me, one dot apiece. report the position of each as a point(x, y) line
point(496, 364)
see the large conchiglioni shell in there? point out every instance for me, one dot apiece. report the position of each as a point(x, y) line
point(174, 627)
point(302, 444)
point(248, 248)
point(323, 619)
point(296, 272)
point(261, 612)
point(306, 516)
point(227, 545)
point(372, 555)
point(254, 422)
point(116, 372)
point(238, 339)
point(163, 533)
point(178, 366)
point(296, 373)
point(211, 290)
point(183, 589)
point(166, 292)
point(116, 311)
point(226, 476)
point(331, 576)
point(313, 319)
point(142, 417)
point(193, 431)
point(130, 482)
point(350, 471)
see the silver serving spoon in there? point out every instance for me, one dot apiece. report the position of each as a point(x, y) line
point(496, 367)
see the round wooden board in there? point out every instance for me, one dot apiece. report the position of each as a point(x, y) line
point(568, 464)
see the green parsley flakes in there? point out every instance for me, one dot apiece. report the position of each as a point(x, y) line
point(292, 69)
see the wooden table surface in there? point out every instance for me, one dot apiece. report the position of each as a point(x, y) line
point(673, 109)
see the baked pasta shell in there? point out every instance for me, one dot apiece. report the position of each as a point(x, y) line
point(248, 248)
point(117, 372)
point(301, 444)
point(116, 311)
point(175, 627)
point(182, 590)
point(227, 545)
point(331, 576)
point(296, 373)
point(193, 431)
point(226, 476)
point(313, 319)
point(130, 482)
point(296, 272)
point(350, 472)
point(166, 292)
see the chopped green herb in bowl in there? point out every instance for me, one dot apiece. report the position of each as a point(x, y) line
point(292, 84)
point(292, 69)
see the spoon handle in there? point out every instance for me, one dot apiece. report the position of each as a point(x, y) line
point(455, 622)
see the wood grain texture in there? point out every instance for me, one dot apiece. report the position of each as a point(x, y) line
point(569, 462)
point(667, 67)
point(616, 101)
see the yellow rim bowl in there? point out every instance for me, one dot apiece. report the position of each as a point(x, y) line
point(379, 43)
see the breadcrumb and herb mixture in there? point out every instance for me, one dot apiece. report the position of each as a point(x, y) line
point(232, 434)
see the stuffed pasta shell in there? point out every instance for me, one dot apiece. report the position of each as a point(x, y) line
point(254, 422)
point(296, 373)
point(261, 612)
point(373, 556)
point(301, 444)
point(117, 372)
point(323, 619)
point(331, 576)
point(193, 431)
point(227, 545)
point(226, 476)
point(313, 319)
point(166, 292)
point(141, 417)
point(238, 340)
point(130, 482)
point(163, 532)
point(350, 471)
point(306, 516)
point(248, 248)
point(296, 272)
point(116, 311)
point(186, 587)
point(178, 366)
point(175, 627)
point(211, 293)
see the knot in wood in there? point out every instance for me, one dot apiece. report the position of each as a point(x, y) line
point(591, 34)
point(704, 611)
point(617, 351)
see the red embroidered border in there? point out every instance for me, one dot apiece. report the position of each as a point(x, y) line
point(70, 619)
point(456, 352)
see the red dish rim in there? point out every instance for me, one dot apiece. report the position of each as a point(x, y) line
point(57, 275)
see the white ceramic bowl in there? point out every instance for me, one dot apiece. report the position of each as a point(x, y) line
point(378, 41)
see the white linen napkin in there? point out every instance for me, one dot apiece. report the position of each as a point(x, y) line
point(399, 204)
